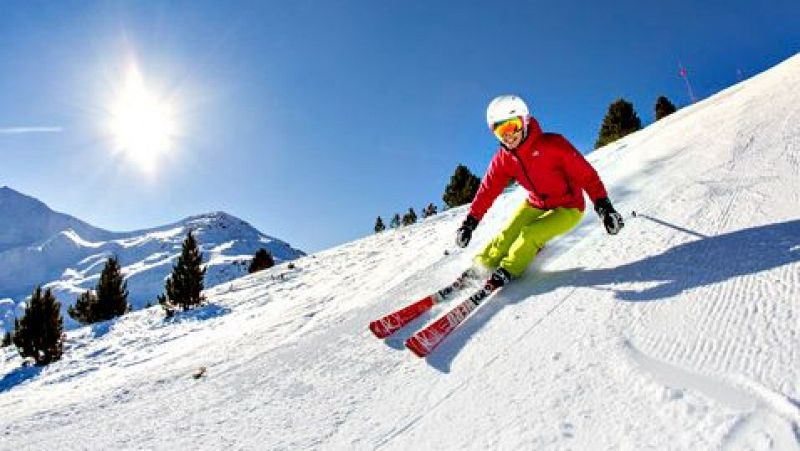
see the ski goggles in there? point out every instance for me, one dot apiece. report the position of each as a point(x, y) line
point(511, 125)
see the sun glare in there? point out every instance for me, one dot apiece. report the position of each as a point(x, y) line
point(142, 124)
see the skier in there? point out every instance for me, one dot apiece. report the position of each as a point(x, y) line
point(555, 175)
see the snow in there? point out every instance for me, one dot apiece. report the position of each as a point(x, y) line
point(69, 261)
point(682, 332)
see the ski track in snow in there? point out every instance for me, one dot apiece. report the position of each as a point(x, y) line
point(773, 419)
point(680, 333)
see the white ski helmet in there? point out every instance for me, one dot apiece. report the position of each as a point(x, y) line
point(505, 107)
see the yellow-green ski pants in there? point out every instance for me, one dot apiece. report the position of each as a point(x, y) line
point(524, 235)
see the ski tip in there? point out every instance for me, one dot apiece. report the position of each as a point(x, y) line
point(377, 328)
point(416, 347)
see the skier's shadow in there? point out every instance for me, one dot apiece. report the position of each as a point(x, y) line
point(703, 262)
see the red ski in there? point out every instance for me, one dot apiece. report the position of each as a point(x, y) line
point(395, 321)
point(424, 341)
point(392, 322)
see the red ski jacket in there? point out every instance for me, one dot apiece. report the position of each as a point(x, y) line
point(548, 166)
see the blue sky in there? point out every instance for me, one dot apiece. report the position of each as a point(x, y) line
point(310, 118)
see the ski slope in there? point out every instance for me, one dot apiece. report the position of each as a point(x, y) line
point(682, 332)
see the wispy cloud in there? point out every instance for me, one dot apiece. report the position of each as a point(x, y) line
point(21, 130)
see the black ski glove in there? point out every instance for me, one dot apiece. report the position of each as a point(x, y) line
point(464, 233)
point(611, 219)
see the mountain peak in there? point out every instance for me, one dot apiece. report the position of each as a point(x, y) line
point(25, 221)
point(11, 194)
point(214, 215)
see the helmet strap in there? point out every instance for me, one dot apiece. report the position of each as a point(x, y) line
point(526, 120)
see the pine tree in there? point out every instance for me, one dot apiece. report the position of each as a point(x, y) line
point(7, 340)
point(85, 309)
point(620, 120)
point(410, 217)
point(262, 260)
point(109, 299)
point(379, 225)
point(185, 285)
point(395, 221)
point(112, 291)
point(462, 187)
point(39, 333)
point(664, 108)
point(429, 211)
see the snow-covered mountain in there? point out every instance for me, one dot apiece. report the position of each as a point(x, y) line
point(682, 332)
point(41, 246)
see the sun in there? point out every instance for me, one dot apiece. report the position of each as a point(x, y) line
point(142, 124)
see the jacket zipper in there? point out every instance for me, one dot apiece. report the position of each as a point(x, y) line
point(533, 187)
